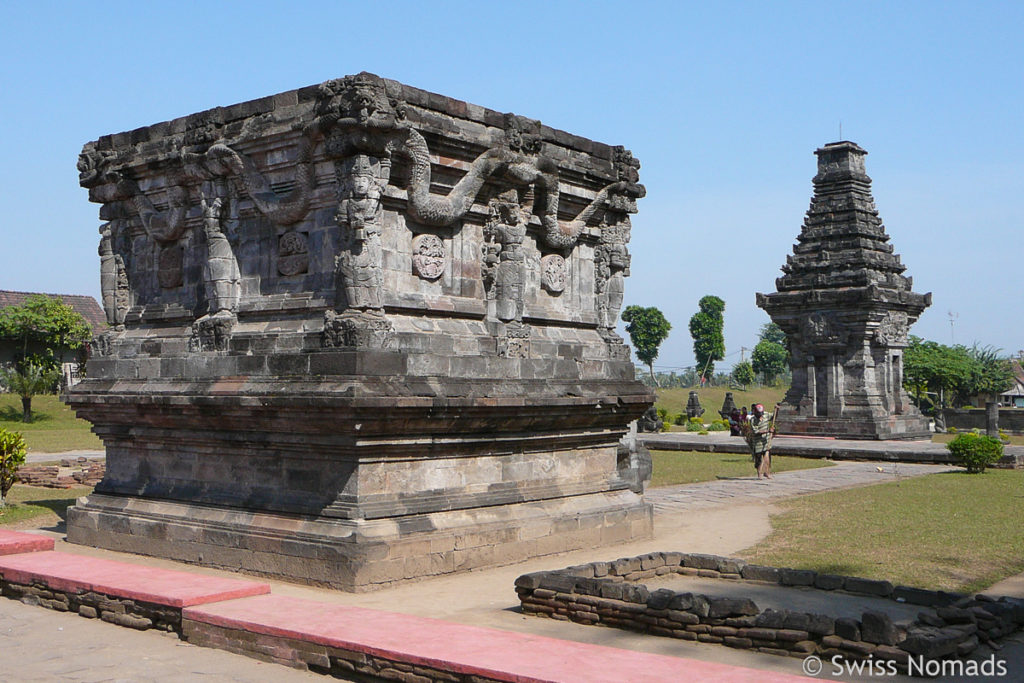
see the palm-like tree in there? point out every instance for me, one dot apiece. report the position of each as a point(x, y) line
point(27, 381)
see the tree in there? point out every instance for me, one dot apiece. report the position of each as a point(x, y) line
point(956, 372)
point(12, 456)
point(44, 322)
point(706, 330)
point(28, 380)
point(769, 359)
point(647, 328)
point(773, 333)
point(743, 373)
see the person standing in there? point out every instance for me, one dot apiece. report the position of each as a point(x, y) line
point(759, 438)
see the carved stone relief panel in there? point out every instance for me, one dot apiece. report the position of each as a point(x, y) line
point(169, 266)
point(553, 273)
point(428, 256)
point(293, 253)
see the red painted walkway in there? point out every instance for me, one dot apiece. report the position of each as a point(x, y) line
point(13, 542)
point(245, 605)
point(77, 573)
point(502, 655)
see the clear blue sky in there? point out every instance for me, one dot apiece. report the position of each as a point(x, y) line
point(723, 103)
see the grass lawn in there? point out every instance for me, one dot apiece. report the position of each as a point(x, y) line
point(711, 399)
point(952, 531)
point(38, 504)
point(688, 467)
point(54, 427)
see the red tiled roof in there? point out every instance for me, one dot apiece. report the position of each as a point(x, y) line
point(86, 306)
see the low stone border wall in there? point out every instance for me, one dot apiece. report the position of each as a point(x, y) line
point(135, 614)
point(610, 593)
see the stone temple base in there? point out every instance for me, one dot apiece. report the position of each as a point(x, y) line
point(357, 555)
point(885, 428)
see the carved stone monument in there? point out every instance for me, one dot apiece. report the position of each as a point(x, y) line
point(363, 333)
point(845, 307)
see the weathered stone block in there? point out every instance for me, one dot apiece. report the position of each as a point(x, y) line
point(877, 627)
point(868, 586)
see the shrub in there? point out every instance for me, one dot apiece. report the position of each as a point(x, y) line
point(975, 452)
point(12, 456)
point(703, 432)
point(952, 430)
point(680, 419)
point(719, 426)
point(694, 424)
point(662, 413)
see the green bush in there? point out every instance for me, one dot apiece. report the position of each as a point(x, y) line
point(680, 419)
point(952, 430)
point(694, 424)
point(719, 426)
point(12, 456)
point(662, 413)
point(703, 432)
point(975, 452)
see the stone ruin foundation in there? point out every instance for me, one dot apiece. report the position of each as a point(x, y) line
point(360, 333)
point(845, 307)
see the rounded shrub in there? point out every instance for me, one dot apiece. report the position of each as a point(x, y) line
point(975, 452)
point(719, 426)
point(694, 424)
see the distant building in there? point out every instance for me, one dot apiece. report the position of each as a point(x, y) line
point(86, 306)
point(1014, 396)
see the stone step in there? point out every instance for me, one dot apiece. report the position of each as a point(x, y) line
point(345, 640)
point(73, 574)
point(15, 542)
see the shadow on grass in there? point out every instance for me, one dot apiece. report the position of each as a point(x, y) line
point(59, 506)
point(13, 414)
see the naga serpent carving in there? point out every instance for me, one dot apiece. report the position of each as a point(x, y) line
point(282, 210)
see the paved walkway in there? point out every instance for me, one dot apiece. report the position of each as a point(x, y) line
point(745, 490)
point(813, 447)
point(35, 457)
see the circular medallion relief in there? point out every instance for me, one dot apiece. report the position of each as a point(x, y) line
point(428, 256)
point(553, 273)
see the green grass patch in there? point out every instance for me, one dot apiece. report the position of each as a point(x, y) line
point(690, 467)
point(54, 427)
point(711, 399)
point(38, 503)
point(952, 531)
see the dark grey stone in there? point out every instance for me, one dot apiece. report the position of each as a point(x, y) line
point(754, 572)
point(728, 607)
point(797, 577)
point(661, 598)
point(868, 586)
point(848, 628)
point(829, 582)
point(878, 628)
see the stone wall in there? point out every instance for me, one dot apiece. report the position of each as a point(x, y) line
point(612, 594)
point(136, 614)
point(1011, 420)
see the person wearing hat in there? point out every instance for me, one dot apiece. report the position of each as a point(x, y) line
point(759, 439)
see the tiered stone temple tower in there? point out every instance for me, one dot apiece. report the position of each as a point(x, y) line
point(362, 333)
point(845, 307)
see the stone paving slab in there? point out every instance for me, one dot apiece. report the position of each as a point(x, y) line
point(14, 542)
point(742, 490)
point(811, 447)
point(35, 457)
point(77, 574)
point(453, 647)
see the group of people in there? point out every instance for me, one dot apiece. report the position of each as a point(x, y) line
point(757, 428)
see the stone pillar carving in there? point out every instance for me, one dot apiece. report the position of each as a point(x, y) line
point(359, 318)
point(611, 268)
point(113, 280)
point(504, 232)
point(212, 332)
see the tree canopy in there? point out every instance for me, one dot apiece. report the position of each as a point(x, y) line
point(769, 359)
point(44, 322)
point(706, 330)
point(743, 373)
point(956, 373)
point(773, 333)
point(647, 329)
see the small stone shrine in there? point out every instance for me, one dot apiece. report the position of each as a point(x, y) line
point(845, 307)
point(361, 333)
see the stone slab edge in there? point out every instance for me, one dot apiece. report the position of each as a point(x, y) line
point(17, 542)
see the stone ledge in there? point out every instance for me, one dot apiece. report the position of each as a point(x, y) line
point(16, 542)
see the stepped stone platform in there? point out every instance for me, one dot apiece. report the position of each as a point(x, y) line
point(239, 616)
point(918, 451)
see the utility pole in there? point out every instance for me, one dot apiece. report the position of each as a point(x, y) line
point(952, 319)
